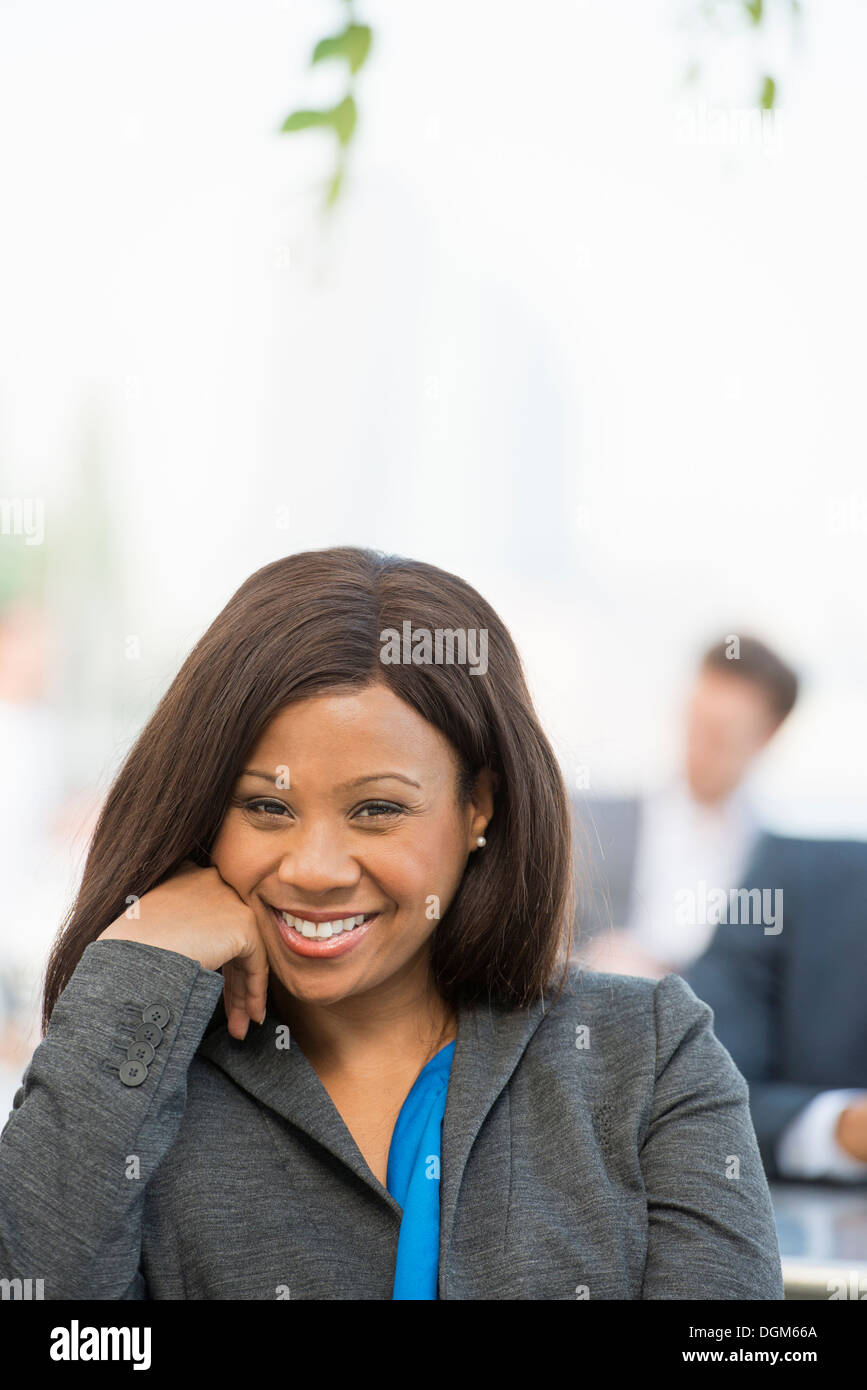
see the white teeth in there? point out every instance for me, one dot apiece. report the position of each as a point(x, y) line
point(322, 930)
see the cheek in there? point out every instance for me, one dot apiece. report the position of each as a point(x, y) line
point(232, 852)
point(437, 864)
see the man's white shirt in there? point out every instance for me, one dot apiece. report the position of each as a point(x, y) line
point(685, 848)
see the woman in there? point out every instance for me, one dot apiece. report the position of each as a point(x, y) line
point(406, 1091)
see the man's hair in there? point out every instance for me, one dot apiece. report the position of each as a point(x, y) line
point(750, 659)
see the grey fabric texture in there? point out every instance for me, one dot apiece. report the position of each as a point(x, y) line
point(623, 1167)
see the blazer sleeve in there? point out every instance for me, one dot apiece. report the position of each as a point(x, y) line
point(80, 1145)
point(711, 1230)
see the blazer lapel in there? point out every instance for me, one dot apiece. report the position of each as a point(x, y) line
point(489, 1045)
point(284, 1080)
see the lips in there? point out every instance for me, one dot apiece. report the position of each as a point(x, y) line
point(336, 943)
point(319, 925)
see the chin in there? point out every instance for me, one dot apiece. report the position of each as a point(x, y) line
point(313, 979)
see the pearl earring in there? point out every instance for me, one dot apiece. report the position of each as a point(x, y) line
point(481, 842)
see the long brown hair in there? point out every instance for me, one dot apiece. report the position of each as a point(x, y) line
point(311, 623)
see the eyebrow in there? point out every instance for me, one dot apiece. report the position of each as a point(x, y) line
point(357, 782)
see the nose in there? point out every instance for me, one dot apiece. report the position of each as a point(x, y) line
point(317, 861)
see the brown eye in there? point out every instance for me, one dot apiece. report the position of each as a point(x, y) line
point(380, 809)
point(270, 810)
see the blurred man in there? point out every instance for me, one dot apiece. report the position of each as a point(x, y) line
point(654, 874)
point(789, 1006)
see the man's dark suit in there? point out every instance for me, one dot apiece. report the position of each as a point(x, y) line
point(792, 1008)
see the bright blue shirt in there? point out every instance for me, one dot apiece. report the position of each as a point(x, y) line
point(413, 1179)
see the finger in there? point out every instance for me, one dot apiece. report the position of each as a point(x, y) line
point(228, 1002)
point(247, 990)
point(256, 981)
point(237, 1018)
point(254, 962)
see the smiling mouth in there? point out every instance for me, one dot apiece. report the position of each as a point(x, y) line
point(324, 931)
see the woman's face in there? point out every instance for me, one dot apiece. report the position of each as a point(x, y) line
point(348, 806)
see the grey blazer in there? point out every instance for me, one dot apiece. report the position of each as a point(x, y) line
point(598, 1147)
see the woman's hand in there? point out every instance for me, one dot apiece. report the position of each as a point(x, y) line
point(197, 914)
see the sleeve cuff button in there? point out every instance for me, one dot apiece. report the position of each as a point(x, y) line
point(133, 1073)
point(149, 1033)
point(156, 1013)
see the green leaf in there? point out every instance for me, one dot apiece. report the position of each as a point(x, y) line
point(353, 45)
point(754, 9)
point(769, 94)
point(341, 118)
point(303, 120)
